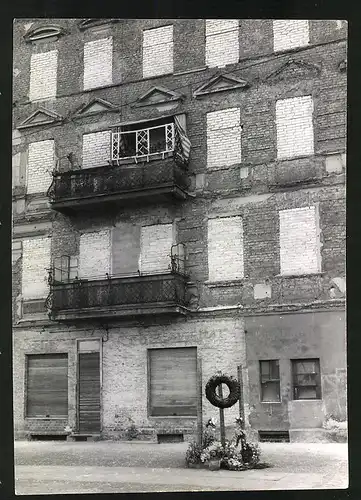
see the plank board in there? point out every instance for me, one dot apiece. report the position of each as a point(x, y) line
point(89, 392)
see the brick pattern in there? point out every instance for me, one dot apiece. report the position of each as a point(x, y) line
point(288, 34)
point(222, 42)
point(156, 243)
point(95, 252)
point(294, 127)
point(36, 262)
point(41, 163)
point(43, 75)
point(299, 241)
point(223, 137)
point(225, 248)
point(96, 149)
point(157, 51)
point(98, 63)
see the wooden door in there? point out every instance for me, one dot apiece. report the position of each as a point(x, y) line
point(89, 392)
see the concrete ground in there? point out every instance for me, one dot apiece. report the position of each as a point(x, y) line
point(109, 467)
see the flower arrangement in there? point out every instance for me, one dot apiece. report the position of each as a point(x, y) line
point(193, 453)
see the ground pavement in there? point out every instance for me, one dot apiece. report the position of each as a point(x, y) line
point(109, 467)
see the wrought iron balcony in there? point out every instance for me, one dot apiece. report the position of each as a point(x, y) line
point(119, 297)
point(89, 188)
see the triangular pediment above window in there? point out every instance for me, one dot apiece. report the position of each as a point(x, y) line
point(44, 32)
point(220, 83)
point(95, 107)
point(294, 69)
point(41, 117)
point(158, 95)
point(92, 22)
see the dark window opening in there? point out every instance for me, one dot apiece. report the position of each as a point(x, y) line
point(306, 379)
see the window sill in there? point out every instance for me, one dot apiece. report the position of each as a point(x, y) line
point(107, 86)
point(173, 416)
point(47, 418)
point(271, 402)
point(216, 284)
point(303, 275)
point(306, 400)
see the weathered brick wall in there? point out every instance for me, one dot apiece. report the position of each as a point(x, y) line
point(43, 75)
point(41, 163)
point(35, 262)
point(94, 254)
point(96, 149)
point(98, 63)
point(222, 42)
point(157, 51)
point(288, 34)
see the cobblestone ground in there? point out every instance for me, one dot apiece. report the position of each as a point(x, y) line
point(108, 467)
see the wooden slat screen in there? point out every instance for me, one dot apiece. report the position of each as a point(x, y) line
point(89, 392)
point(173, 381)
point(47, 385)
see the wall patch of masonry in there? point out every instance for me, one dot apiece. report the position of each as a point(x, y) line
point(41, 163)
point(157, 51)
point(299, 241)
point(222, 42)
point(223, 137)
point(98, 63)
point(95, 254)
point(295, 135)
point(36, 262)
point(225, 249)
point(156, 243)
point(96, 149)
point(289, 34)
point(43, 75)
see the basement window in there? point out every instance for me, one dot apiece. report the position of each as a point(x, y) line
point(270, 381)
point(306, 379)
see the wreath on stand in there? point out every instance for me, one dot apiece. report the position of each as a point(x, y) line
point(215, 399)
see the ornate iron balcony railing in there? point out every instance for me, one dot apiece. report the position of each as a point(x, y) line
point(113, 180)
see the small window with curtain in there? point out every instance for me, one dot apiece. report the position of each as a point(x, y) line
point(306, 379)
point(270, 381)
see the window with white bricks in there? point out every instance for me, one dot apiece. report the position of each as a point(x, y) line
point(35, 266)
point(157, 51)
point(98, 63)
point(222, 42)
point(43, 75)
point(294, 127)
point(225, 249)
point(41, 163)
point(289, 34)
point(95, 254)
point(96, 149)
point(156, 243)
point(224, 137)
point(299, 241)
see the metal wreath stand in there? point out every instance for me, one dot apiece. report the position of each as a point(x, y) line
point(219, 401)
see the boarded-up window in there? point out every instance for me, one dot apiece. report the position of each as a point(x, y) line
point(43, 75)
point(156, 244)
point(94, 259)
point(173, 381)
point(96, 149)
point(47, 385)
point(125, 249)
point(36, 263)
point(225, 248)
point(224, 137)
point(222, 43)
point(157, 51)
point(290, 33)
point(299, 241)
point(98, 63)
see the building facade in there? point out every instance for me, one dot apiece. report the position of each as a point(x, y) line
point(178, 209)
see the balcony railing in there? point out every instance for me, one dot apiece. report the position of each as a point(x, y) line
point(117, 183)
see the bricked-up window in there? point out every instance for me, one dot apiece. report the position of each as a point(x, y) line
point(95, 254)
point(47, 385)
point(43, 75)
point(156, 243)
point(96, 149)
point(306, 379)
point(98, 63)
point(225, 249)
point(294, 127)
point(173, 381)
point(41, 163)
point(36, 262)
point(222, 42)
point(157, 51)
point(299, 241)
point(270, 380)
point(289, 34)
point(224, 137)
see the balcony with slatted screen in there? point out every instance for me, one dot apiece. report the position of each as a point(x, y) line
point(161, 292)
point(144, 166)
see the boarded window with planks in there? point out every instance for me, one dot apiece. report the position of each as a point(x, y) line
point(47, 385)
point(173, 381)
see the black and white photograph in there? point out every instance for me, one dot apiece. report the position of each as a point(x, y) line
point(179, 255)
